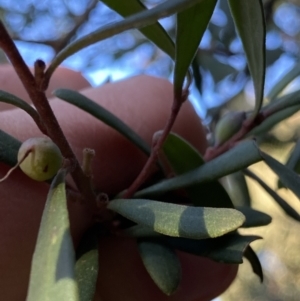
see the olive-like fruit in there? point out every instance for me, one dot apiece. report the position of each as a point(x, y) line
point(42, 159)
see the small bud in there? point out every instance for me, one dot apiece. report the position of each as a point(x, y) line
point(40, 158)
point(228, 125)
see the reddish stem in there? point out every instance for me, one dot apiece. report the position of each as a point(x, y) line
point(247, 126)
point(42, 105)
point(142, 177)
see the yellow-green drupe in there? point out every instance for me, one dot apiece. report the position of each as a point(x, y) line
point(44, 158)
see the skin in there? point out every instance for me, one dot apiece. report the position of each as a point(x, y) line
point(144, 104)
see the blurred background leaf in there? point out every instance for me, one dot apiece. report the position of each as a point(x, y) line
point(190, 27)
point(249, 20)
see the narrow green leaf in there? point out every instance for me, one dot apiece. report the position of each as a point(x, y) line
point(183, 157)
point(237, 188)
point(139, 20)
point(287, 176)
point(249, 20)
point(9, 147)
point(281, 103)
point(237, 158)
point(227, 249)
point(52, 274)
point(274, 119)
point(254, 218)
point(255, 263)
point(19, 103)
point(231, 250)
point(91, 107)
point(154, 33)
point(191, 25)
point(293, 161)
point(283, 82)
point(162, 264)
point(179, 220)
point(289, 210)
point(86, 272)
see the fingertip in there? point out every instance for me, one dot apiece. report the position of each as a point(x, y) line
point(61, 78)
point(122, 275)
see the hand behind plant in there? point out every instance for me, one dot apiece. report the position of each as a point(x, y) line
point(143, 103)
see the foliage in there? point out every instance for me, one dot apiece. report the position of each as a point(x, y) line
point(206, 220)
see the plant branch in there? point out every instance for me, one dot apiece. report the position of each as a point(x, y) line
point(62, 42)
point(42, 105)
point(247, 126)
point(142, 177)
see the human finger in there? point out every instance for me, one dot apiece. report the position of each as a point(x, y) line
point(143, 103)
point(62, 77)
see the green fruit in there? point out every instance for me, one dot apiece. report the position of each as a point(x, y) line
point(228, 125)
point(43, 158)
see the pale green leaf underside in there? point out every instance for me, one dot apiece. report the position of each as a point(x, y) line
point(52, 274)
point(179, 220)
point(162, 264)
point(86, 272)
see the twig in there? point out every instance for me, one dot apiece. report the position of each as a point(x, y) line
point(247, 126)
point(60, 43)
point(88, 156)
point(142, 177)
point(39, 68)
point(43, 107)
